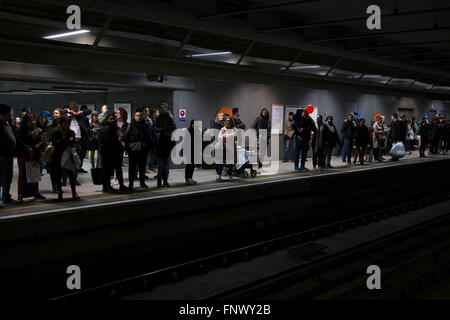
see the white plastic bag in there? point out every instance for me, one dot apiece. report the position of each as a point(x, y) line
point(33, 172)
point(67, 161)
point(398, 150)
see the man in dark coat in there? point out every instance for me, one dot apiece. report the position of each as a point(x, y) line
point(303, 126)
point(348, 134)
point(111, 151)
point(396, 131)
point(164, 127)
point(7, 147)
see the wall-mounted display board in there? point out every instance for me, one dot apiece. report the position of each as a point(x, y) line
point(277, 119)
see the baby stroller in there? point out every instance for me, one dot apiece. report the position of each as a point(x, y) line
point(243, 163)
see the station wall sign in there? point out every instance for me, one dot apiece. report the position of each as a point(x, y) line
point(182, 115)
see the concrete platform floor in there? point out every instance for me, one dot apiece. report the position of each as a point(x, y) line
point(206, 179)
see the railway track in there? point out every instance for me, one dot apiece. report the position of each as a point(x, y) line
point(146, 281)
point(401, 272)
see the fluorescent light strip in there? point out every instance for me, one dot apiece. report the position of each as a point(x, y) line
point(49, 91)
point(377, 76)
point(199, 55)
point(305, 67)
point(66, 34)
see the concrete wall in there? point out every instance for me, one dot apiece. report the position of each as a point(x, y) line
point(210, 96)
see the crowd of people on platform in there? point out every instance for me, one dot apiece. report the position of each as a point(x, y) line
point(358, 140)
point(60, 141)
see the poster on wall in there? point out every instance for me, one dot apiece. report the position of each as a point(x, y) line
point(126, 106)
point(277, 119)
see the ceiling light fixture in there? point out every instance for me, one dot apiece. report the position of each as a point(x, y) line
point(199, 55)
point(304, 67)
point(66, 34)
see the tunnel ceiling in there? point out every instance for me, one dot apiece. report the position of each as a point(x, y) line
point(323, 40)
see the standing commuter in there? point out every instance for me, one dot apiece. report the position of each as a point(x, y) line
point(303, 126)
point(165, 125)
point(379, 139)
point(62, 138)
point(330, 140)
point(190, 167)
point(362, 139)
point(7, 148)
point(94, 153)
point(150, 116)
point(30, 146)
point(395, 133)
point(80, 125)
point(289, 137)
point(57, 115)
point(137, 144)
point(348, 134)
point(318, 159)
point(110, 153)
point(262, 123)
point(228, 140)
point(424, 132)
point(434, 136)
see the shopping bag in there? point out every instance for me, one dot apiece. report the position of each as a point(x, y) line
point(33, 171)
point(96, 174)
point(398, 150)
point(67, 160)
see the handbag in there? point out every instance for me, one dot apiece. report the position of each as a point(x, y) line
point(135, 146)
point(48, 153)
point(97, 178)
point(67, 161)
point(33, 172)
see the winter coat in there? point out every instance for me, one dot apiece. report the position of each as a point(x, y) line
point(60, 142)
point(330, 139)
point(348, 130)
point(396, 131)
point(138, 133)
point(110, 146)
point(307, 124)
point(261, 123)
point(379, 135)
point(8, 140)
point(362, 136)
point(164, 126)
